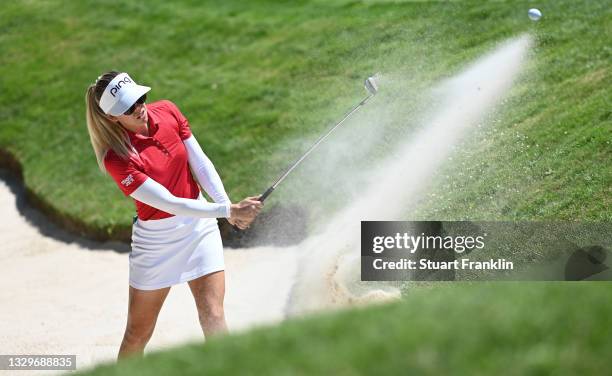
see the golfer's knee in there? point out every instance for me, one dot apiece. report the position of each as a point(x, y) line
point(138, 334)
point(213, 312)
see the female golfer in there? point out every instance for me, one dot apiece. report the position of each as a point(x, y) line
point(148, 149)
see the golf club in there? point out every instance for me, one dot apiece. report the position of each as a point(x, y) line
point(372, 88)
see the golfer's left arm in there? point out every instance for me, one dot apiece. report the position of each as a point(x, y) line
point(205, 171)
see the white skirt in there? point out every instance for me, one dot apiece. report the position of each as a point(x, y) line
point(174, 250)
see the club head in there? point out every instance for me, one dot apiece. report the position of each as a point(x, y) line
point(371, 85)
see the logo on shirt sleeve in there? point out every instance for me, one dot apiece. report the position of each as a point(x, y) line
point(128, 180)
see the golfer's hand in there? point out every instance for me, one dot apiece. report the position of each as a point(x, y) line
point(238, 224)
point(243, 213)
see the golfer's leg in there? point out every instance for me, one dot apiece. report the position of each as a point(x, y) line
point(209, 292)
point(143, 309)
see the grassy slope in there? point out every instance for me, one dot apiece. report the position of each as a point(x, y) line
point(460, 330)
point(251, 77)
point(549, 156)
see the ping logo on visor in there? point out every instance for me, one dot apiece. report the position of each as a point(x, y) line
point(120, 94)
point(116, 88)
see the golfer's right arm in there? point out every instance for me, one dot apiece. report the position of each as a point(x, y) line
point(135, 183)
point(156, 195)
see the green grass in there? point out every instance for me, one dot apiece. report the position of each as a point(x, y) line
point(466, 329)
point(255, 77)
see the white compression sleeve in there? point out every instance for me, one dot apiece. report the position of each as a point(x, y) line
point(205, 171)
point(154, 194)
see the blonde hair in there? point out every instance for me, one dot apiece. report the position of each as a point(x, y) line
point(104, 133)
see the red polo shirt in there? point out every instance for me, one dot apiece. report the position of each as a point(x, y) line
point(162, 157)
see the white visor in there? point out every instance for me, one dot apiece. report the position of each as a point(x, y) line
point(120, 94)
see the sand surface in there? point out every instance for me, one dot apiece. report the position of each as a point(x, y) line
point(70, 297)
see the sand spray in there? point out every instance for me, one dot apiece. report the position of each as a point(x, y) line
point(329, 262)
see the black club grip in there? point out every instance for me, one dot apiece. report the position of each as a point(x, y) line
point(266, 194)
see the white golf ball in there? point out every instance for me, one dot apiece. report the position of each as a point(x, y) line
point(534, 14)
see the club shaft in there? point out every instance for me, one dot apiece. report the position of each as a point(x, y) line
point(296, 163)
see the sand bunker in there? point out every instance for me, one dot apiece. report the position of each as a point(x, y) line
point(64, 298)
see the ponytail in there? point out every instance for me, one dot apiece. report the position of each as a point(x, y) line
point(104, 133)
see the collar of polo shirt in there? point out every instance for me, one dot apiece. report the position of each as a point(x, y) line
point(120, 94)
